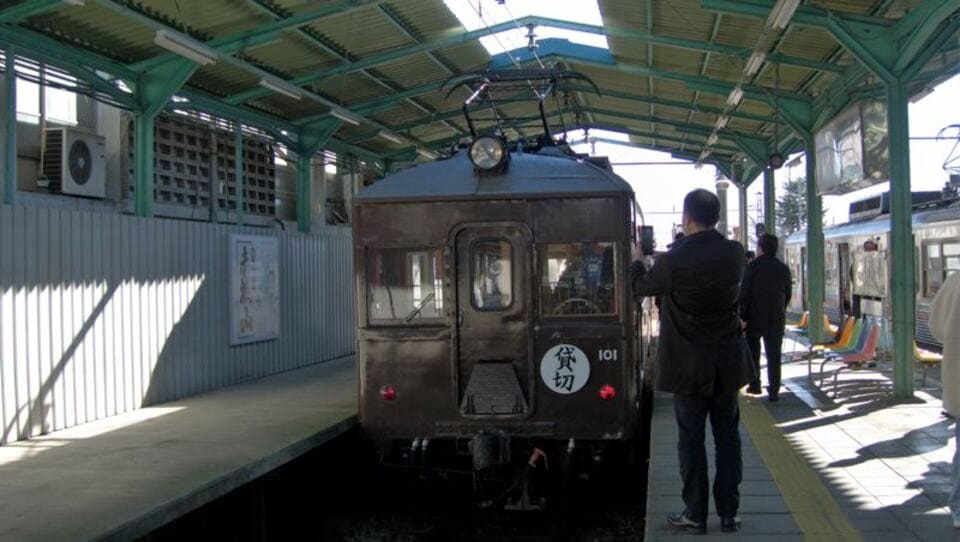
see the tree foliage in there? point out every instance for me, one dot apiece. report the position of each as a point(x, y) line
point(792, 206)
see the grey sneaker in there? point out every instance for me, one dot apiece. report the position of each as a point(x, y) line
point(681, 521)
point(730, 525)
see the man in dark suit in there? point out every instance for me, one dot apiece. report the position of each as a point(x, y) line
point(764, 297)
point(700, 356)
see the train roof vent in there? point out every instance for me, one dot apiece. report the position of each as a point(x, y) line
point(879, 204)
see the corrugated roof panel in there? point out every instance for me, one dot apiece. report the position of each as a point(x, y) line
point(429, 19)
point(101, 30)
point(413, 70)
point(295, 54)
point(361, 32)
point(351, 88)
point(213, 18)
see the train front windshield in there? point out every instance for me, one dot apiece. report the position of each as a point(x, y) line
point(577, 279)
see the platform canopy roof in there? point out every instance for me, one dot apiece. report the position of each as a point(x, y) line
point(709, 80)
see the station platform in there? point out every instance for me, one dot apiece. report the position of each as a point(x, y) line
point(857, 466)
point(124, 476)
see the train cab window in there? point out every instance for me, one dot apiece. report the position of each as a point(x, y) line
point(404, 285)
point(577, 279)
point(940, 260)
point(492, 278)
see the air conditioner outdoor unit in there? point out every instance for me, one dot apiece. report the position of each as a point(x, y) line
point(73, 162)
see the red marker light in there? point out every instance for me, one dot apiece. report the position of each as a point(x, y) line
point(607, 392)
point(387, 393)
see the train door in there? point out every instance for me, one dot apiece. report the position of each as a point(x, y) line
point(493, 347)
point(844, 296)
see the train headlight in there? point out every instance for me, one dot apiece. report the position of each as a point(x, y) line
point(488, 153)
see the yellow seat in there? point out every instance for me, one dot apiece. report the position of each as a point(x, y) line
point(926, 359)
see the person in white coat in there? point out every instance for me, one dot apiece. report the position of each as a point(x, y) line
point(945, 326)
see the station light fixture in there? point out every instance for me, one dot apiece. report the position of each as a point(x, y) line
point(735, 96)
point(75, 2)
point(722, 121)
point(281, 87)
point(781, 13)
point(186, 47)
point(489, 153)
point(428, 154)
point(345, 116)
point(712, 140)
point(754, 63)
point(390, 136)
point(704, 154)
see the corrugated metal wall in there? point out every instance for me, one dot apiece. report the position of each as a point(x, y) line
point(102, 313)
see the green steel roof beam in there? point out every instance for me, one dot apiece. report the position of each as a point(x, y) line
point(31, 8)
point(804, 16)
point(402, 27)
point(648, 16)
point(704, 84)
point(318, 41)
point(680, 43)
point(703, 70)
point(28, 40)
point(261, 33)
point(675, 103)
point(309, 141)
point(149, 22)
point(943, 39)
point(379, 59)
point(72, 61)
point(463, 37)
point(680, 125)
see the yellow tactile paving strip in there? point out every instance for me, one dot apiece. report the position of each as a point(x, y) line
point(813, 507)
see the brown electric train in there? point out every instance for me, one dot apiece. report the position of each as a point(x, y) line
point(495, 317)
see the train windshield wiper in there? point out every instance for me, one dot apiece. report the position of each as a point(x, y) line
point(416, 311)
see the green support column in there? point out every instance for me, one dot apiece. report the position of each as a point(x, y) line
point(744, 225)
point(143, 164)
point(769, 201)
point(304, 193)
point(155, 88)
point(10, 150)
point(815, 263)
point(901, 241)
point(309, 141)
point(239, 170)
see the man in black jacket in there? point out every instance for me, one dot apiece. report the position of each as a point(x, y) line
point(700, 355)
point(764, 296)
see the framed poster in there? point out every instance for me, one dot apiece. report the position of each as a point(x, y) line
point(254, 288)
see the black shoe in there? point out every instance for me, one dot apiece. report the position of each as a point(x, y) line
point(681, 521)
point(730, 525)
point(753, 390)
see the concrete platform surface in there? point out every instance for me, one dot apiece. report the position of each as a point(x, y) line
point(121, 477)
point(857, 465)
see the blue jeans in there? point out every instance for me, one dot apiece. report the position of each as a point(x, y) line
point(724, 412)
point(955, 490)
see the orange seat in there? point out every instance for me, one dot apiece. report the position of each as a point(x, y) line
point(857, 359)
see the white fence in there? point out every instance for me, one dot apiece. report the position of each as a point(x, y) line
point(102, 313)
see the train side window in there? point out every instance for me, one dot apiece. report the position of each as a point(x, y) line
point(404, 285)
point(951, 258)
point(492, 274)
point(577, 279)
point(933, 270)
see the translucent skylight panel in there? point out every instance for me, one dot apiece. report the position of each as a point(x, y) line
point(478, 14)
